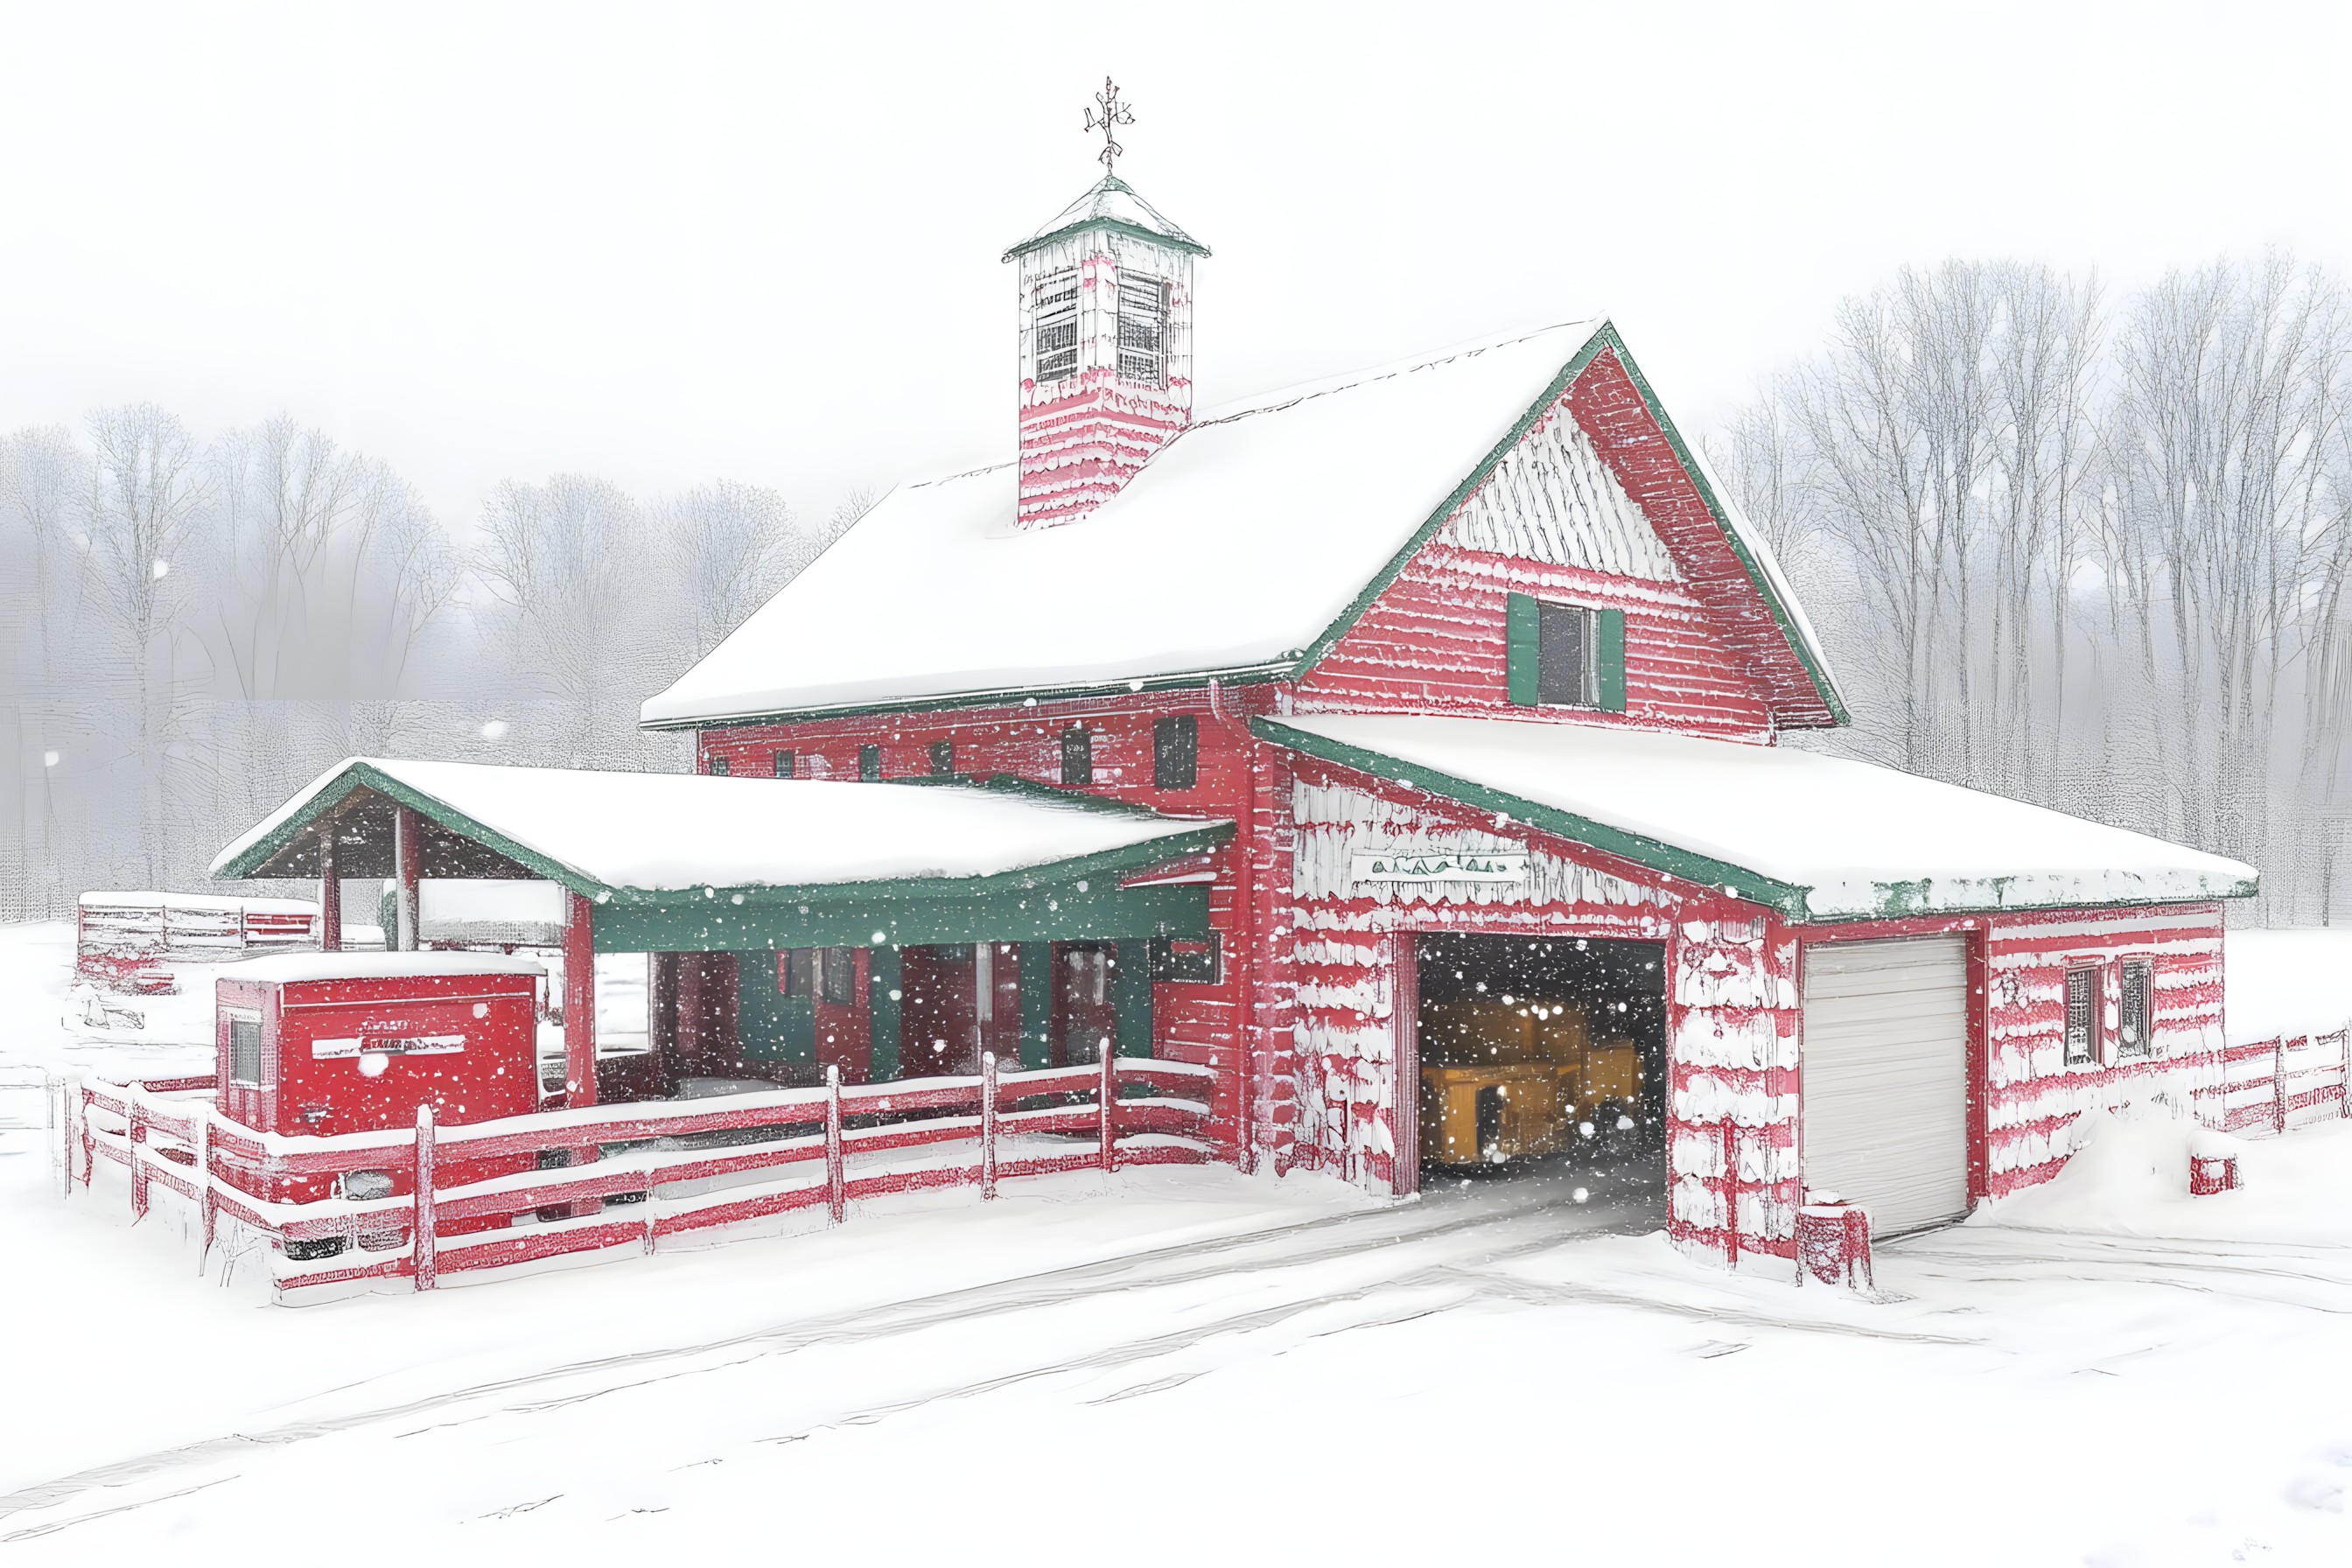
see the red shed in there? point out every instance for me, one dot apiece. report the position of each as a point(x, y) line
point(327, 1043)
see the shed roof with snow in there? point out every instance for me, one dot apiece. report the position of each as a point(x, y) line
point(694, 861)
point(1816, 838)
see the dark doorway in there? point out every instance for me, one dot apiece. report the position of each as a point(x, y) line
point(1542, 1059)
point(1086, 1009)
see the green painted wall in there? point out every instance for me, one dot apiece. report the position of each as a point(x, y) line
point(774, 1027)
point(882, 1008)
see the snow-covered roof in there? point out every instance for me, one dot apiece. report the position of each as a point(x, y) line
point(657, 832)
point(1111, 204)
point(1817, 837)
point(1239, 543)
point(292, 966)
point(215, 903)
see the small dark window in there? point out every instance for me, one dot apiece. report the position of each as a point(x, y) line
point(2081, 1015)
point(783, 764)
point(795, 971)
point(719, 765)
point(1176, 753)
point(245, 1049)
point(869, 762)
point(943, 759)
point(1077, 757)
point(1055, 322)
point(2134, 1026)
point(1567, 666)
point(840, 975)
point(1142, 329)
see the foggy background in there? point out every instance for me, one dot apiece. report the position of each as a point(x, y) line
point(443, 381)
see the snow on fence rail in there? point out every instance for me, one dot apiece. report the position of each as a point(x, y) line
point(2287, 1081)
point(619, 1175)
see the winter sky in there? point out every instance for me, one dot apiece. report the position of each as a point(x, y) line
point(669, 243)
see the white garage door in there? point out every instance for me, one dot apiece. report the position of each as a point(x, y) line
point(1885, 1077)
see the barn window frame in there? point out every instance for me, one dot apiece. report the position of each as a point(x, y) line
point(783, 765)
point(943, 759)
point(720, 767)
point(2081, 1039)
point(1077, 757)
point(1143, 312)
point(1176, 751)
point(245, 1065)
point(1054, 347)
point(1562, 654)
point(837, 976)
point(2125, 969)
point(869, 765)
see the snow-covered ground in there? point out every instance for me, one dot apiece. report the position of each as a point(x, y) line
point(1203, 1367)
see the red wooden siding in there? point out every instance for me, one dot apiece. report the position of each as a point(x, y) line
point(1194, 1023)
point(2034, 1103)
point(1434, 642)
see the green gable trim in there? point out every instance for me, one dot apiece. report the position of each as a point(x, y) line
point(1814, 671)
point(1604, 339)
point(995, 697)
point(249, 862)
point(1108, 226)
point(1737, 881)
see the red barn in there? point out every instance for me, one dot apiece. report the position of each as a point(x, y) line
point(1405, 747)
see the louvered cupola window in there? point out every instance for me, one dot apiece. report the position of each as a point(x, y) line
point(1142, 329)
point(1054, 314)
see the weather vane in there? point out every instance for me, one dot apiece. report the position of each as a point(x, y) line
point(1106, 115)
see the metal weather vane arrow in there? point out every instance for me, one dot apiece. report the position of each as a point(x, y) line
point(1107, 114)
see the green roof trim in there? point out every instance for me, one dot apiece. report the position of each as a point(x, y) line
point(1605, 338)
point(1895, 900)
point(1737, 881)
point(1196, 840)
point(994, 697)
point(1173, 238)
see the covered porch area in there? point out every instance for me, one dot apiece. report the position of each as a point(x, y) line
point(755, 933)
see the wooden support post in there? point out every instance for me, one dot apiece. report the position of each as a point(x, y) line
point(408, 872)
point(837, 1160)
point(330, 896)
point(579, 1002)
point(423, 1253)
point(61, 1104)
point(1109, 1108)
point(1731, 1192)
point(134, 1132)
point(2278, 1097)
point(987, 1124)
point(203, 1118)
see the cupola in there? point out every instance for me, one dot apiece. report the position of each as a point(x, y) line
point(1104, 293)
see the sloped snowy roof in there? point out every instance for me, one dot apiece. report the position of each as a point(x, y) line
point(679, 831)
point(1819, 837)
point(1114, 204)
point(1243, 541)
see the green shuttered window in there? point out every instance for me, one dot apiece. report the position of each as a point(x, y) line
point(1565, 656)
point(869, 762)
point(1175, 753)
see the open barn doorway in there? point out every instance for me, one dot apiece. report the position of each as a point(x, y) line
point(1542, 1061)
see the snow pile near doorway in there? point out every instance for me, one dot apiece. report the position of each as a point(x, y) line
point(2286, 983)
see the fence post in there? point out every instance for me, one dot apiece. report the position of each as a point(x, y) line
point(836, 1161)
point(203, 1118)
point(987, 1124)
point(134, 1132)
point(2278, 1096)
point(1109, 1095)
point(61, 1125)
point(1731, 1190)
point(82, 1137)
point(422, 1253)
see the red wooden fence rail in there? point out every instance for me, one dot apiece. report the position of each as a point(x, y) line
point(2269, 1086)
point(613, 1175)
